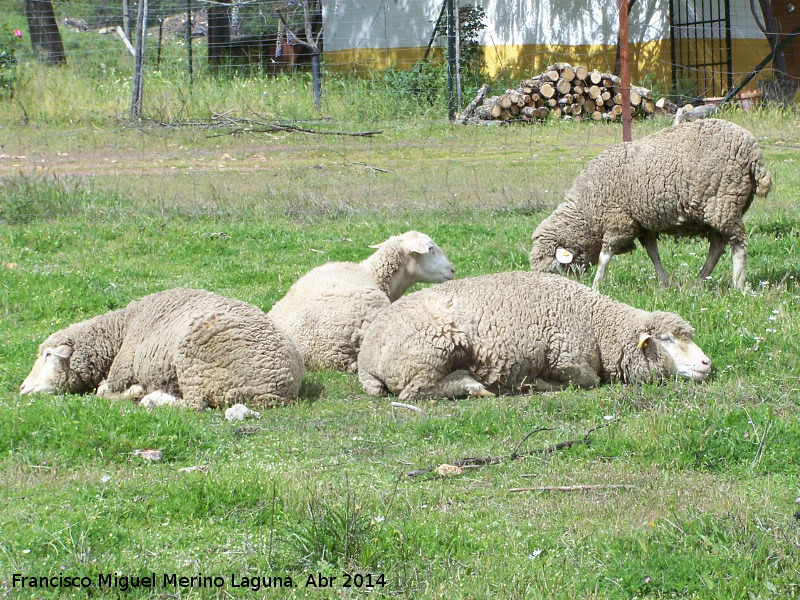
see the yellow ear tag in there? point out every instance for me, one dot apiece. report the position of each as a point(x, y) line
point(642, 344)
point(563, 256)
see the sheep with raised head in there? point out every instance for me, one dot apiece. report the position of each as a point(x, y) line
point(516, 330)
point(696, 178)
point(181, 347)
point(328, 309)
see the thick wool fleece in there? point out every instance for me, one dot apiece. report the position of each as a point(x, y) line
point(208, 350)
point(509, 330)
point(691, 179)
point(328, 310)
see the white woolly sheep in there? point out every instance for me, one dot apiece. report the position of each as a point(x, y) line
point(189, 348)
point(684, 115)
point(691, 179)
point(328, 309)
point(517, 330)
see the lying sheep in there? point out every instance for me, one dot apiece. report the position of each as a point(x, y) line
point(517, 330)
point(695, 178)
point(328, 309)
point(185, 347)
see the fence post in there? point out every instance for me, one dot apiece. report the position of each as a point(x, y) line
point(625, 70)
point(451, 60)
point(126, 19)
point(189, 40)
point(138, 63)
point(457, 19)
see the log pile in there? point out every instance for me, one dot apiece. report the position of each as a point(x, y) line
point(562, 91)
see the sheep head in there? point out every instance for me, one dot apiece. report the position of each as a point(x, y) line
point(415, 258)
point(665, 343)
point(558, 247)
point(426, 262)
point(50, 373)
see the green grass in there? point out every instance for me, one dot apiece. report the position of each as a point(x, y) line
point(94, 216)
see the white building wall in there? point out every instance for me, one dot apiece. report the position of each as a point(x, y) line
point(409, 23)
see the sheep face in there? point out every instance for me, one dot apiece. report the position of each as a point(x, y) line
point(565, 241)
point(423, 261)
point(50, 373)
point(427, 263)
point(552, 257)
point(669, 350)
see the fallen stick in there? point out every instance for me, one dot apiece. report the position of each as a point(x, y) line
point(515, 455)
point(121, 34)
point(470, 110)
point(574, 488)
point(408, 406)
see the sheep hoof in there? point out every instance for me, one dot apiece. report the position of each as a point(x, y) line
point(135, 391)
point(479, 391)
point(154, 399)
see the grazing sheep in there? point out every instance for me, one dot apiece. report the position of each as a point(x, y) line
point(184, 347)
point(695, 178)
point(515, 330)
point(684, 115)
point(327, 310)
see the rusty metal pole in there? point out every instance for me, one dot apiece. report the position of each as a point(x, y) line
point(625, 70)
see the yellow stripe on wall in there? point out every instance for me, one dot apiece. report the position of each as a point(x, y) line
point(647, 59)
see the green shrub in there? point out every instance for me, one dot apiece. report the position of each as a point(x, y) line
point(9, 42)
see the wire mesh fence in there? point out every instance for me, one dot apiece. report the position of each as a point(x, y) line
point(266, 42)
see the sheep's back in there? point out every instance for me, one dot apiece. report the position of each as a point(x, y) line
point(518, 323)
point(327, 311)
point(677, 180)
point(155, 331)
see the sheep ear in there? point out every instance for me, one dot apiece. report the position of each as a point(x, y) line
point(644, 338)
point(419, 246)
point(564, 256)
point(63, 351)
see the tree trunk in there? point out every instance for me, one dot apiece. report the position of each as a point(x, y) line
point(219, 34)
point(45, 37)
point(784, 86)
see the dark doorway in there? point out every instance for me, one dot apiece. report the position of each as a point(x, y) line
point(700, 35)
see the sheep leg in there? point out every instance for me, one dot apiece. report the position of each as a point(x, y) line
point(602, 265)
point(154, 399)
point(132, 393)
point(739, 253)
point(456, 385)
point(372, 385)
point(716, 247)
point(540, 385)
point(650, 244)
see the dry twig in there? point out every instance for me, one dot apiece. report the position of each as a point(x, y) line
point(515, 455)
point(574, 488)
point(240, 125)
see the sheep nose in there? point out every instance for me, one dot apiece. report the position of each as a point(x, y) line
point(24, 389)
point(705, 366)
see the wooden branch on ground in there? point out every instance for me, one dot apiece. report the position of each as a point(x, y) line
point(574, 488)
point(402, 404)
point(240, 125)
point(515, 455)
point(470, 109)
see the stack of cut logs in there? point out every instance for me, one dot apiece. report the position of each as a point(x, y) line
point(561, 91)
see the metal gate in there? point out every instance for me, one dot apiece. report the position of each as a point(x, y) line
point(700, 35)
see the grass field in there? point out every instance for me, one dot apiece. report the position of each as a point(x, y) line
point(94, 214)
